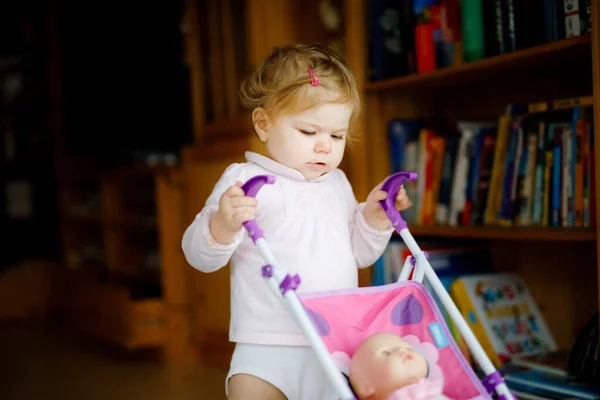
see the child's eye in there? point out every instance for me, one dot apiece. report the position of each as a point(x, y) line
point(307, 132)
point(337, 137)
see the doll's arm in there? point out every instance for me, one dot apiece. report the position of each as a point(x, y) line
point(200, 248)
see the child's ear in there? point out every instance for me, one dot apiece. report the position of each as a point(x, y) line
point(260, 120)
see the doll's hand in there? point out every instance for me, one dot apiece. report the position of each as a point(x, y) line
point(374, 213)
point(235, 208)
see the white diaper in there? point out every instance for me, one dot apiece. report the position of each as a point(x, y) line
point(294, 370)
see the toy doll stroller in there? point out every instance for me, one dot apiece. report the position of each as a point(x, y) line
point(338, 321)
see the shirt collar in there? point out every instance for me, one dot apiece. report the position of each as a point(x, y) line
point(280, 169)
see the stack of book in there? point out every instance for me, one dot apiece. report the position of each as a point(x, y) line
point(546, 376)
point(534, 165)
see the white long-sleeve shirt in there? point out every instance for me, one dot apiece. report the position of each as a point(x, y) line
point(314, 228)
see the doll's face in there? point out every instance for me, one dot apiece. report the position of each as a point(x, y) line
point(384, 363)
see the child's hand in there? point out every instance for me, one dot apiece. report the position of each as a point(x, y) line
point(235, 208)
point(374, 213)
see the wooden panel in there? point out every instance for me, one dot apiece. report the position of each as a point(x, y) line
point(146, 323)
point(309, 13)
point(213, 151)
point(216, 81)
point(229, 62)
point(216, 347)
point(270, 24)
point(113, 240)
point(194, 59)
point(256, 20)
point(356, 57)
point(28, 289)
point(175, 271)
point(240, 126)
point(216, 48)
point(210, 295)
point(358, 155)
point(106, 312)
point(487, 102)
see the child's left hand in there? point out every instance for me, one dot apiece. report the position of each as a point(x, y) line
point(373, 211)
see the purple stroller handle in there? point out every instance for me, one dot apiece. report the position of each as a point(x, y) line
point(253, 185)
point(251, 188)
point(392, 185)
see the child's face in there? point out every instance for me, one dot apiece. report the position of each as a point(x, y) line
point(385, 363)
point(313, 141)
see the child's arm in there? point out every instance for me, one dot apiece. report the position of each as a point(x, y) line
point(217, 230)
point(370, 228)
point(368, 243)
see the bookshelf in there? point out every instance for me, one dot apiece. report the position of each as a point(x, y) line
point(479, 91)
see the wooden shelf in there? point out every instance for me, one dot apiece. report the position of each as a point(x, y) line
point(91, 218)
point(106, 311)
point(237, 126)
point(493, 232)
point(550, 55)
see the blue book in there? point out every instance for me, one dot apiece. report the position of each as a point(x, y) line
point(551, 383)
point(556, 173)
point(399, 132)
point(443, 207)
point(378, 278)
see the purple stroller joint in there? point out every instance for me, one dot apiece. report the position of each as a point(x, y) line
point(289, 283)
point(267, 270)
point(491, 381)
point(413, 260)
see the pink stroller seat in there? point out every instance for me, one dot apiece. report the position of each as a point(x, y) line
point(345, 318)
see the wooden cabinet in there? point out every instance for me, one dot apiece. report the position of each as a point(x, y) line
point(125, 277)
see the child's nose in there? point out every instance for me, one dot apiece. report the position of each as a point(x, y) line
point(323, 146)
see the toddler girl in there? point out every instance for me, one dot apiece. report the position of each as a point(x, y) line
point(304, 106)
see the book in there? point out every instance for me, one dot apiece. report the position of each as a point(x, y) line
point(503, 315)
point(553, 362)
point(568, 386)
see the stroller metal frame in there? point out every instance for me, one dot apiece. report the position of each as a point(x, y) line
point(284, 286)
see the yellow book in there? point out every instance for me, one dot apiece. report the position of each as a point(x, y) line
point(503, 316)
point(497, 178)
point(438, 146)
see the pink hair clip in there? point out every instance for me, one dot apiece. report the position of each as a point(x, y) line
point(314, 79)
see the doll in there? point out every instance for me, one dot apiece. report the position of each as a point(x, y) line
point(388, 367)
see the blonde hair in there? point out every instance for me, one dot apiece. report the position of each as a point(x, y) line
point(282, 83)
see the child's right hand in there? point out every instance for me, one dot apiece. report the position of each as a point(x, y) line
point(235, 208)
